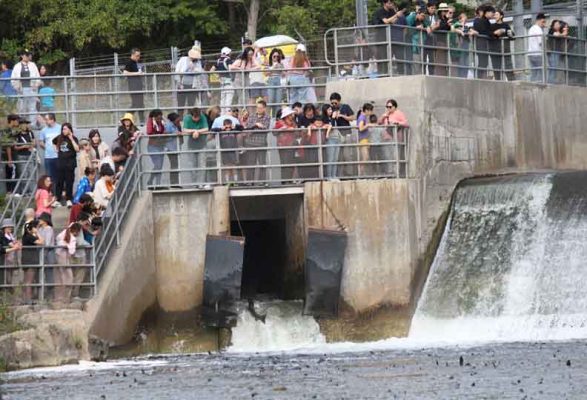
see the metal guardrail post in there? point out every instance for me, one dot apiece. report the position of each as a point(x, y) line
point(67, 100)
point(335, 39)
point(544, 59)
point(218, 159)
point(156, 97)
point(389, 52)
point(320, 155)
point(42, 274)
point(94, 273)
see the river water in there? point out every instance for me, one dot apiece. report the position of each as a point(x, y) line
point(503, 315)
point(553, 370)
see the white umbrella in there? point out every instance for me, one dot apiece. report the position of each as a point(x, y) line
point(275, 41)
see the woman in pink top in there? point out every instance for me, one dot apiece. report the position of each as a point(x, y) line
point(43, 196)
point(298, 77)
point(63, 275)
point(393, 116)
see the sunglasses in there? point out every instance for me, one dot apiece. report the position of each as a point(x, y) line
point(388, 106)
point(334, 103)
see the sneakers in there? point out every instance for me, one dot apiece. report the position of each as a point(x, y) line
point(69, 204)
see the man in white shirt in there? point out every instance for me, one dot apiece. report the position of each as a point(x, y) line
point(25, 80)
point(535, 48)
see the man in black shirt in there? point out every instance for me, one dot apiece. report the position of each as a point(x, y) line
point(342, 116)
point(482, 27)
point(135, 82)
point(383, 16)
point(501, 56)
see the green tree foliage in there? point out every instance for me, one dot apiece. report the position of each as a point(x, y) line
point(58, 29)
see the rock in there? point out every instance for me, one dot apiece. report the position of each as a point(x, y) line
point(98, 348)
point(51, 337)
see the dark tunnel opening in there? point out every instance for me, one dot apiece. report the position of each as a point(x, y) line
point(264, 257)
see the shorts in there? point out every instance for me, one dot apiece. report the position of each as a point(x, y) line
point(256, 93)
point(228, 141)
point(364, 142)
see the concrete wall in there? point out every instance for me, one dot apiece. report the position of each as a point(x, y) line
point(181, 222)
point(463, 128)
point(127, 286)
point(381, 255)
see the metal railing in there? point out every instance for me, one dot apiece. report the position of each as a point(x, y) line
point(392, 50)
point(260, 158)
point(23, 187)
point(126, 192)
point(101, 100)
point(41, 274)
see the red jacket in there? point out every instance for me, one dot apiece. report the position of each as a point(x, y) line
point(288, 134)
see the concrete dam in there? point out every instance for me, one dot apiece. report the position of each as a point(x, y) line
point(398, 229)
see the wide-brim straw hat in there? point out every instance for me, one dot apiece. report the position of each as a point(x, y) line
point(443, 7)
point(195, 53)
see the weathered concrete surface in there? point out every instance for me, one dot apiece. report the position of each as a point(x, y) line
point(465, 128)
point(381, 254)
point(128, 285)
point(181, 222)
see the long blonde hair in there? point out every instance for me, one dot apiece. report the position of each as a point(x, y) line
point(300, 59)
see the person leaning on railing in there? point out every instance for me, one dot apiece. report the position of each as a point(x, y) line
point(30, 257)
point(483, 33)
point(196, 127)
point(535, 48)
point(441, 29)
point(9, 246)
point(459, 44)
point(556, 45)
point(253, 156)
point(67, 243)
point(501, 57)
point(286, 132)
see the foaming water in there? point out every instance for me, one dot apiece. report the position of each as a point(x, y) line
point(285, 328)
point(511, 264)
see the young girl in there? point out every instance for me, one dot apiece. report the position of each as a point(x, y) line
point(86, 184)
point(85, 157)
point(99, 149)
point(67, 241)
point(104, 187)
point(363, 125)
point(30, 256)
point(316, 134)
point(44, 198)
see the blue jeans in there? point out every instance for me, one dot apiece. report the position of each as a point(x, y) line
point(332, 153)
point(51, 170)
point(535, 68)
point(275, 93)
point(157, 160)
point(298, 93)
point(553, 62)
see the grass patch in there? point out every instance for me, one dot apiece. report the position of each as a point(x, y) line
point(8, 322)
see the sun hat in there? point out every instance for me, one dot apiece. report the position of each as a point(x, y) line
point(46, 217)
point(225, 51)
point(443, 7)
point(301, 47)
point(7, 223)
point(286, 112)
point(128, 116)
point(195, 53)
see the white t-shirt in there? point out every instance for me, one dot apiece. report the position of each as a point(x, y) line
point(535, 40)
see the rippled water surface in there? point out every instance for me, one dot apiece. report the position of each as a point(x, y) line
point(498, 371)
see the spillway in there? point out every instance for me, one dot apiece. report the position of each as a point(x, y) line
point(512, 263)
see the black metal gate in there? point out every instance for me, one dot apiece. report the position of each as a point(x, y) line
point(323, 271)
point(222, 279)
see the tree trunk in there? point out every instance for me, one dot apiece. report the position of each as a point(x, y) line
point(231, 14)
point(253, 19)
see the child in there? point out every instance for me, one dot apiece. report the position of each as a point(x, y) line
point(67, 243)
point(228, 140)
point(47, 97)
point(85, 157)
point(316, 135)
point(363, 124)
point(86, 184)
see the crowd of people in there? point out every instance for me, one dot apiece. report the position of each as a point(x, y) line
point(434, 39)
